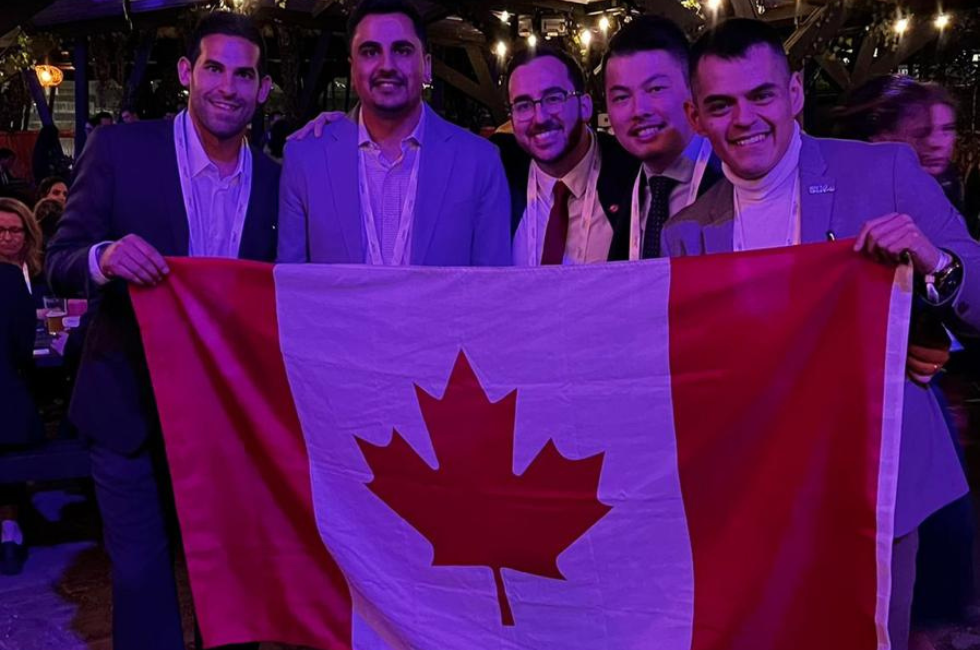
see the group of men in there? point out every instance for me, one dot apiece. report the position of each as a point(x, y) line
point(707, 157)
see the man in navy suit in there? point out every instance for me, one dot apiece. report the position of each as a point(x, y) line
point(144, 191)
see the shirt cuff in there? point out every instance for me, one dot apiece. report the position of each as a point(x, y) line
point(94, 254)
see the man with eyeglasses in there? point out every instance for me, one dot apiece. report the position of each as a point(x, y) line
point(567, 183)
point(646, 83)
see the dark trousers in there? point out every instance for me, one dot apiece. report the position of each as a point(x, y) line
point(136, 502)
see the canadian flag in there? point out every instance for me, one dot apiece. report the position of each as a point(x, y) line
point(687, 454)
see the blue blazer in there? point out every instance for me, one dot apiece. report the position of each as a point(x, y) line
point(127, 182)
point(843, 184)
point(462, 214)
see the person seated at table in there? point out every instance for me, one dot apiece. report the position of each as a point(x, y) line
point(19, 257)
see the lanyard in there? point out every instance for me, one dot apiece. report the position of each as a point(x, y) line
point(531, 213)
point(700, 165)
point(793, 235)
point(200, 244)
point(399, 256)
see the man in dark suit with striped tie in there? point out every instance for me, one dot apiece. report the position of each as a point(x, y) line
point(646, 82)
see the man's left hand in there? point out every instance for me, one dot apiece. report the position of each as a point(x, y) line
point(890, 237)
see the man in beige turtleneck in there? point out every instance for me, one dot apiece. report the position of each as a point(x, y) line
point(783, 188)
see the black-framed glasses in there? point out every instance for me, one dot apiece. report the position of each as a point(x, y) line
point(13, 231)
point(552, 102)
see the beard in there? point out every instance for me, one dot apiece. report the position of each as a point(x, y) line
point(575, 137)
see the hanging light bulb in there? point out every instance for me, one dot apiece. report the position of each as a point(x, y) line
point(604, 24)
point(505, 16)
point(501, 49)
point(585, 37)
point(713, 5)
point(532, 40)
point(942, 21)
point(901, 26)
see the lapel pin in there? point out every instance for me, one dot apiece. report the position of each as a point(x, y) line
point(822, 189)
point(614, 208)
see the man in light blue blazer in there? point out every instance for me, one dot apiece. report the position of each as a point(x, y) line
point(782, 188)
point(395, 184)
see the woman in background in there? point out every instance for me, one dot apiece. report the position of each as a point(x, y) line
point(20, 258)
point(899, 109)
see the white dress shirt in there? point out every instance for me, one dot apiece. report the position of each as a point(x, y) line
point(215, 227)
point(582, 245)
point(388, 184)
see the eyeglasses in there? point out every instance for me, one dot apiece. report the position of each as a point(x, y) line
point(14, 231)
point(523, 109)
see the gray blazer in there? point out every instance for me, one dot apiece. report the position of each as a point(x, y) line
point(844, 184)
point(462, 215)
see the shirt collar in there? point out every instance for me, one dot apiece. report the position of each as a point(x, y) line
point(577, 180)
point(197, 158)
point(415, 137)
point(682, 169)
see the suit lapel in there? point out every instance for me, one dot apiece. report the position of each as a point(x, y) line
point(342, 170)
point(817, 191)
point(173, 200)
point(435, 164)
point(718, 232)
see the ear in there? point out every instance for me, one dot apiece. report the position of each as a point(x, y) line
point(265, 87)
point(586, 107)
point(693, 117)
point(184, 68)
point(796, 93)
point(427, 68)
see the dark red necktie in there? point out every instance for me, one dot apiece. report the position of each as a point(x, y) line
point(554, 238)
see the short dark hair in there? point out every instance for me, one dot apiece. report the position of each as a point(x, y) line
point(649, 34)
point(367, 8)
point(45, 185)
point(528, 54)
point(6, 154)
point(229, 24)
point(733, 38)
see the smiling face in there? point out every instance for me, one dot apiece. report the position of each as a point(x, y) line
point(225, 85)
point(747, 107)
point(645, 96)
point(389, 64)
point(553, 130)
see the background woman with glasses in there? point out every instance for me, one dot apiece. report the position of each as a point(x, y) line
point(20, 258)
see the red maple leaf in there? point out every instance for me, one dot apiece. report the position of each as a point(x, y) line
point(472, 508)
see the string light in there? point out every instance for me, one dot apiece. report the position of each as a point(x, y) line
point(501, 49)
point(532, 40)
point(604, 24)
point(585, 37)
point(901, 26)
point(942, 21)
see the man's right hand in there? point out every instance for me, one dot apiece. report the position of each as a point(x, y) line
point(315, 126)
point(133, 260)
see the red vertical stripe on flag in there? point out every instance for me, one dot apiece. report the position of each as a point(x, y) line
point(275, 581)
point(777, 366)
